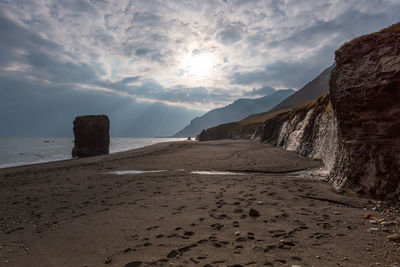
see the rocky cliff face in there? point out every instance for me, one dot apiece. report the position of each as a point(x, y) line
point(365, 91)
point(359, 140)
point(355, 129)
point(232, 130)
point(91, 136)
point(310, 130)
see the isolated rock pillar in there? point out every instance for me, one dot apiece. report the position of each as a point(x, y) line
point(91, 136)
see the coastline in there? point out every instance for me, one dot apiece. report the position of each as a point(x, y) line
point(115, 147)
point(76, 213)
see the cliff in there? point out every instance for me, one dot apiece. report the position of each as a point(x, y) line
point(250, 127)
point(238, 110)
point(365, 91)
point(310, 130)
point(355, 129)
point(232, 130)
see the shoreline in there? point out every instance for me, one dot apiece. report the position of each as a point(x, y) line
point(77, 213)
point(22, 164)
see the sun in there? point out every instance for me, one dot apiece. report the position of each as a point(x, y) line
point(199, 65)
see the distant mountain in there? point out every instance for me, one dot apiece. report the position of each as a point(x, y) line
point(246, 128)
point(238, 110)
point(309, 92)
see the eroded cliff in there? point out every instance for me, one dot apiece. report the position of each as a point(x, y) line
point(356, 129)
point(310, 130)
point(365, 92)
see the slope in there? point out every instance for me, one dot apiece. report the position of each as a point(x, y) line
point(236, 111)
point(308, 93)
point(249, 126)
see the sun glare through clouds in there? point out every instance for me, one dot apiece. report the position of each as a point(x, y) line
point(199, 65)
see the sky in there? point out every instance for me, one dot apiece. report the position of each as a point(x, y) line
point(172, 59)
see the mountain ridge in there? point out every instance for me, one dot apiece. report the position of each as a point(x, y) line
point(239, 109)
point(252, 124)
point(308, 93)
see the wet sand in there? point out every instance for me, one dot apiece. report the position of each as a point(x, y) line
point(77, 213)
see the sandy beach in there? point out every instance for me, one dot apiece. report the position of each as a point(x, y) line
point(78, 213)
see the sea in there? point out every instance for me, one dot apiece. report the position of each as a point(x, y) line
point(17, 151)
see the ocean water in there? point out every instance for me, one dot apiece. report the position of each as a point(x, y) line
point(18, 151)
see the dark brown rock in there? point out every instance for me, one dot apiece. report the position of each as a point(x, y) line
point(91, 136)
point(134, 264)
point(365, 93)
point(254, 213)
point(173, 254)
point(233, 130)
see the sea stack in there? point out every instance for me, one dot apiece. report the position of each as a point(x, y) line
point(91, 136)
point(365, 94)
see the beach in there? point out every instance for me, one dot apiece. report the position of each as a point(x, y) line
point(254, 211)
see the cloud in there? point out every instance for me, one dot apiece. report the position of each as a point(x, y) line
point(231, 33)
point(263, 91)
point(37, 109)
point(34, 56)
point(286, 74)
point(79, 6)
point(128, 80)
point(132, 52)
point(180, 94)
point(142, 51)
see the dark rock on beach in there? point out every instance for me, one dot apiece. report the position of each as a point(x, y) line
point(254, 213)
point(134, 264)
point(91, 136)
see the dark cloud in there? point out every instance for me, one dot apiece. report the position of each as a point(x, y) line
point(16, 39)
point(41, 57)
point(47, 67)
point(145, 19)
point(322, 30)
point(130, 79)
point(285, 74)
point(79, 6)
point(142, 51)
point(231, 33)
point(178, 94)
point(43, 110)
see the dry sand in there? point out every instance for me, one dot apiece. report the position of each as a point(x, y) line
point(75, 213)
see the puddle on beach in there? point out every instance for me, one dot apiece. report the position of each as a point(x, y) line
point(216, 173)
point(297, 173)
point(315, 174)
point(179, 170)
point(134, 172)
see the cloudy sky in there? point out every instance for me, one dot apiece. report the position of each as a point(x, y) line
point(188, 55)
